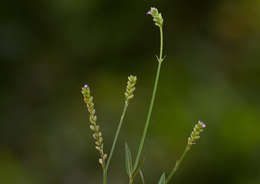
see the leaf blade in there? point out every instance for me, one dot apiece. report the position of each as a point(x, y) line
point(162, 179)
point(136, 170)
point(128, 160)
point(142, 176)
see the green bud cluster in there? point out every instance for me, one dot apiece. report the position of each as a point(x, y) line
point(195, 134)
point(157, 17)
point(130, 88)
point(97, 135)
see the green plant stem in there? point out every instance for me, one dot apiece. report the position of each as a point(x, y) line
point(178, 164)
point(160, 59)
point(130, 181)
point(116, 135)
point(161, 46)
point(104, 176)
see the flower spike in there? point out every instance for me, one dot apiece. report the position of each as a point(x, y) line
point(130, 88)
point(97, 135)
point(195, 134)
point(157, 17)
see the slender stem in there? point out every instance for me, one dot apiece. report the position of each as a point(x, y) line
point(178, 164)
point(130, 181)
point(160, 59)
point(161, 47)
point(104, 176)
point(116, 135)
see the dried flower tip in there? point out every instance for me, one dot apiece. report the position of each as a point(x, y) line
point(95, 136)
point(92, 127)
point(150, 11)
point(100, 139)
point(84, 90)
point(203, 125)
point(195, 134)
point(105, 157)
point(100, 161)
point(130, 88)
point(157, 17)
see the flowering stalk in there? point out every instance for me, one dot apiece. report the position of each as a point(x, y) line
point(97, 135)
point(158, 20)
point(195, 135)
point(131, 170)
point(130, 88)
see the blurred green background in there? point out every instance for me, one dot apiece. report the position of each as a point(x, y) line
point(50, 48)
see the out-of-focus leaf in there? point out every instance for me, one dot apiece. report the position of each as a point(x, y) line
point(135, 172)
point(162, 179)
point(141, 176)
point(128, 160)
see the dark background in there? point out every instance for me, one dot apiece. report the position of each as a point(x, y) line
point(50, 48)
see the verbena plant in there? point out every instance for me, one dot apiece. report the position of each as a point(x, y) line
point(133, 167)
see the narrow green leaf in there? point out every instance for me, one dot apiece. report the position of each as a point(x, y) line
point(162, 179)
point(135, 172)
point(128, 160)
point(141, 176)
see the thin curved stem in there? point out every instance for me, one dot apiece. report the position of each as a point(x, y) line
point(161, 47)
point(160, 59)
point(116, 135)
point(178, 164)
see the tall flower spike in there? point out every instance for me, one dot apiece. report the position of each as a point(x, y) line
point(130, 88)
point(97, 135)
point(157, 17)
point(195, 134)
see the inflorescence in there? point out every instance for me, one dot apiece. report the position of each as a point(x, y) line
point(130, 88)
point(157, 17)
point(195, 134)
point(97, 135)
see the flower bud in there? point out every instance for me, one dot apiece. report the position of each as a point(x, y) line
point(157, 17)
point(130, 88)
point(195, 134)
